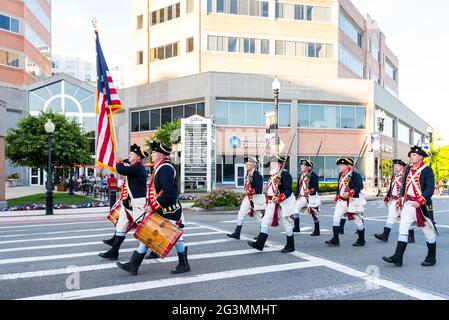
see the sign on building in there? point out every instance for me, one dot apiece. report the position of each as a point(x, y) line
point(197, 153)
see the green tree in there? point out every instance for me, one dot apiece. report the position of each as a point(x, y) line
point(27, 145)
point(168, 134)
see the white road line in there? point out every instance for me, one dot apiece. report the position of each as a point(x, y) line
point(54, 224)
point(413, 292)
point(162, 283)
point(71, 231)
point(69, 245)
point(410, 291)
point(94, 253)
point(46, 273)
point(56, 238)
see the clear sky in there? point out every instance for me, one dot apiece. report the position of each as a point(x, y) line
point(417, 34)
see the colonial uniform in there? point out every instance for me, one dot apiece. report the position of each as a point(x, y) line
point(307, 198)
point(253, 188)
point(348, 182)
point(279, 187)
point(162, 199)
point(419, 187)
point(133, 200)
point(391, 200)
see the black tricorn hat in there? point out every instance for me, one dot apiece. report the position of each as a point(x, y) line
point(279, 158)
point(160, 147)
point(307, 163)
point(136, 149)
point(347, 161)
point(419, 150)
point(399, 161)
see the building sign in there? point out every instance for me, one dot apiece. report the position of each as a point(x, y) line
point(249, 142)
point(198, 153)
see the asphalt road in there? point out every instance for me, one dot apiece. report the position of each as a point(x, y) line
point(57, 259)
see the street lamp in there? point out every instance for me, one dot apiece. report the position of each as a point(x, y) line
point(49, 129)
point(380, 114)
point(276, 85)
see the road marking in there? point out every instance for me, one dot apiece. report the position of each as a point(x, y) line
point(96, 267)
point(54, 224)
point(163, 283)
point(71, 231)
point(235, 221)
point(94, 253)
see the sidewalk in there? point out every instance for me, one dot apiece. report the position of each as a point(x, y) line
point(18, 192)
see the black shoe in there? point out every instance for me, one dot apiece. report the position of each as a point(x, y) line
point(236, 234)
point(431, 255)
point(133, 265)
point(259, 244)
point(411, 236)
point(398, 255)
point(342, 226)
point(335, 241)
point(109, 242)
point(112, 254)
point(316, 232)
point(290, 246)
point(296, 228)
point(152, 255)
point(361, 239)
point(384, 236)
point(255, 238)
point(183, 263)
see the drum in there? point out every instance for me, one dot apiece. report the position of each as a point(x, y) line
point(356, 205)
point(158, 234)
point(259, 201)
point(114, 213)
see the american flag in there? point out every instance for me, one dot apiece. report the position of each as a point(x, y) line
point(107, 103)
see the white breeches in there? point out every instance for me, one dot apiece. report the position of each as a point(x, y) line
point(392, 214)
point(408, 217)
point(285, 211)
point(245, 209)
point(341, 209)
point(123, 223)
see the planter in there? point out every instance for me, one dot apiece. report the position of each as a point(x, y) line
point(61, 187)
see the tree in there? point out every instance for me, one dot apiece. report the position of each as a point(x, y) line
point(168, 134)
point(27, 145)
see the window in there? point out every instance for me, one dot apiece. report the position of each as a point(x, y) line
point(350, 61)
point(331, 116)
point(189, 6)
point(351, 30)
point(189, 110)
point(144, 121)
point(155, 117)
point(234, 44)
point(164, 52)
point(169, 13)
point(178, 112)
point(301, 49)
point(153, 18)
point(390, 70)
point(166, 115)
point(135, 122)
point(417, 138)
point(239, 7)
point(404, 133)
point(139, 57)
point(139, 22)
point(9, 59)
point(189, 45)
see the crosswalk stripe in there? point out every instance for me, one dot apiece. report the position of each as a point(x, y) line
point(69, 245)
point(162, 283)
point(70, 231)
point(54, 224)
point(104, 266)
point(94, 253)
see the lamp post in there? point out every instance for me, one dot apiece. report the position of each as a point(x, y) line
point(49, 129)
point(276, 85)
point(430, 133)
point(380, 126)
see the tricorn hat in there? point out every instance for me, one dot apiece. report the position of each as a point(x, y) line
point(347, 161)
point(136, 149)
point(160, 147)
point(307, 163)
point(279, 158)
point(253, 160)
point(399, 161)
point(419, 150)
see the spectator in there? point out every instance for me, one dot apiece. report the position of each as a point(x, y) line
point(112, 187)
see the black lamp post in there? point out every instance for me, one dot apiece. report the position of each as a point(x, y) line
point(49, 129)
point(276, 85)
point(380, 126)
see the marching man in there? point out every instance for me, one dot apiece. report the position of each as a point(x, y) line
point(280, 206)
point(253, 186)
point(350, 184)
point(162, 195)
point(416, 206)
point(391, 201)
point(307, 190)
point(133, 198)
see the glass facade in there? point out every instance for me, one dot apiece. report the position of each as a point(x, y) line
point(235, 44)
point(249, 113)
point(304, 49)
point(350, 61)
point(351, 30)
point(39, 13)
point(326, 168)
point(254, 8)
point(303, 12)
point(331, 116)
point(152, 119)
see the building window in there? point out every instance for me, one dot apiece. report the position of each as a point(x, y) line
point(144, 121)
point(301, 49)
point(331, 116)
point(351, 30)
point(9, 24)
point(303, 12)
point(234, 44)
point(404, 133)
point(153, 18)
point(390, 70)
point(39, 13)
point(239, 7)
point(351, 62)
point(189, 45)
point(139, 57)
point(9, 59)
point(135, 127)
point(417, 138)
point(189, 6)
point(164, 52)
point(139, 22)
point(166, 14)
point(327, 170)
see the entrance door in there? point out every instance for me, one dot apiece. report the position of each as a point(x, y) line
point(36, 177)
point(240, 174)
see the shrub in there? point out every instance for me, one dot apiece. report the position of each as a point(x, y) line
point(323, 187)
point(14, 176)
point(218, 198)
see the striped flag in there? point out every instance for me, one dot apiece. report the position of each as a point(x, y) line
point(107, 103)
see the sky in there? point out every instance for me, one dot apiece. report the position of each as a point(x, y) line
point(416, 33)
